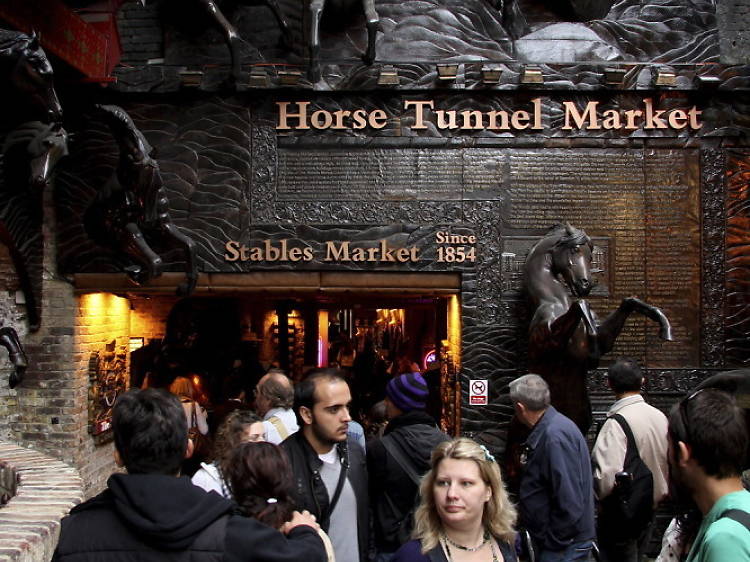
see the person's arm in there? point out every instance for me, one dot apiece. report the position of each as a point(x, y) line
point(247, 539)
point(608, 457)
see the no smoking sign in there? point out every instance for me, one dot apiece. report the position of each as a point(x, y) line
point(478, 392)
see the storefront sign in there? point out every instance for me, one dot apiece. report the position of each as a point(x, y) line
point(425, 113)
point(444, 246)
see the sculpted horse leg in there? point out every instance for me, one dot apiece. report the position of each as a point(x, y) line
point(135, 245)
point(373, 20)
point(279, 15)
point(9, 340)
point(231, 36)
point(316, 11)
point(175, 237)
point(610, 328)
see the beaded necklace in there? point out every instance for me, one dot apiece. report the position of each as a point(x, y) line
point(447, 542)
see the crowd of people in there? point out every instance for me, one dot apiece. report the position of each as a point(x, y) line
point(294, 478)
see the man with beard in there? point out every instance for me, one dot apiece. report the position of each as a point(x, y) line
point(329, 470)
point(707, 447)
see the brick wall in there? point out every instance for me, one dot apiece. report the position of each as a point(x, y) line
point(47, 490)
point(148, 317)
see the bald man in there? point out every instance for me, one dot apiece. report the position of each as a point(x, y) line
point(274, 397)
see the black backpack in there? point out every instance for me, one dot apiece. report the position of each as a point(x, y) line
point(628, 510)
point(405, 526)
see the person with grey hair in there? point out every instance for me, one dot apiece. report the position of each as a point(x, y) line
point(556, 496)
point(274, 398)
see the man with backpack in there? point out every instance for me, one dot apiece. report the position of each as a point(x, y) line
point(398, 460)
point(630, 467)
point(707, 450)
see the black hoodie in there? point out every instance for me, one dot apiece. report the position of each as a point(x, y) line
point(148, 517)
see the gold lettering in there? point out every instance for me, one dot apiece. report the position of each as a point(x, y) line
point(308, 253)
point(284, 115)
point(468, 116)
point(418, 111)
point(611, 119)
point(537, 103)
point(693, 114)
point(630, 115)
point(327, 119)
point(340, 114)
point(337, 254)
point(442, 123)
point(589, 113)
point(520, 119)
point(358, 117)
point(232, 248)
point(677, 119)
point(378, 119)
point(503, 115)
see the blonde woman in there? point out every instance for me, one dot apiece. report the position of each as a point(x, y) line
point(465, 514)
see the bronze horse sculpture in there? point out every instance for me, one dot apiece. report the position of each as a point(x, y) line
point(34, 141)
point(566, 338)
point(131, 212)
point(313, 12)
point(9, 340)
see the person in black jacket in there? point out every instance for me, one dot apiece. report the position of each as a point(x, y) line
point(409, 438)
point(330, 472)
point(152, 514)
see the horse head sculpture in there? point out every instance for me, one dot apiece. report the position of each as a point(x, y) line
point(34, 142)
point(29, 73)
point(571, 259)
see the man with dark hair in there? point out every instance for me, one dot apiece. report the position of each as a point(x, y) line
point(707, 448)
point(152, 514)
point(649, 428)
point(329, 469)
point(399, 459)
point(274, 398)
point(556, 497)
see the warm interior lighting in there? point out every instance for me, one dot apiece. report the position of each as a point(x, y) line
point(135, 343)
point(454, 329)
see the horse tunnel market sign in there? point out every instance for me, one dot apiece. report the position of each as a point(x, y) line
point(383, 246)
point(298, 115)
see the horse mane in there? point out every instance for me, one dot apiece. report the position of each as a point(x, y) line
point(568, 236)
point(14, 44)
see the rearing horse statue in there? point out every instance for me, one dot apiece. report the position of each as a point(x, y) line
point(565, 337)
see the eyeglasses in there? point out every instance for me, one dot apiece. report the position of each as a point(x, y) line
point(684, 415)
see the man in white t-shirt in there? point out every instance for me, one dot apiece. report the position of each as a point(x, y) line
point(274, 397)
point(330, 471)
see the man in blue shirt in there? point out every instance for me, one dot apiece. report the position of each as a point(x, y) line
point(556, 497)
point(707, 451)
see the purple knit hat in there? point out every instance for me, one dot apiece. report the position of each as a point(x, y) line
point(407, 392)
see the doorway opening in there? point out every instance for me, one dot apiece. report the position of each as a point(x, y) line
point(369, 330)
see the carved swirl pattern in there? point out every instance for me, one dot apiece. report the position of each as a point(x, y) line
point(713, 164)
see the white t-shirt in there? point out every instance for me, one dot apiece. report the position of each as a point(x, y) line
point(343, 534)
